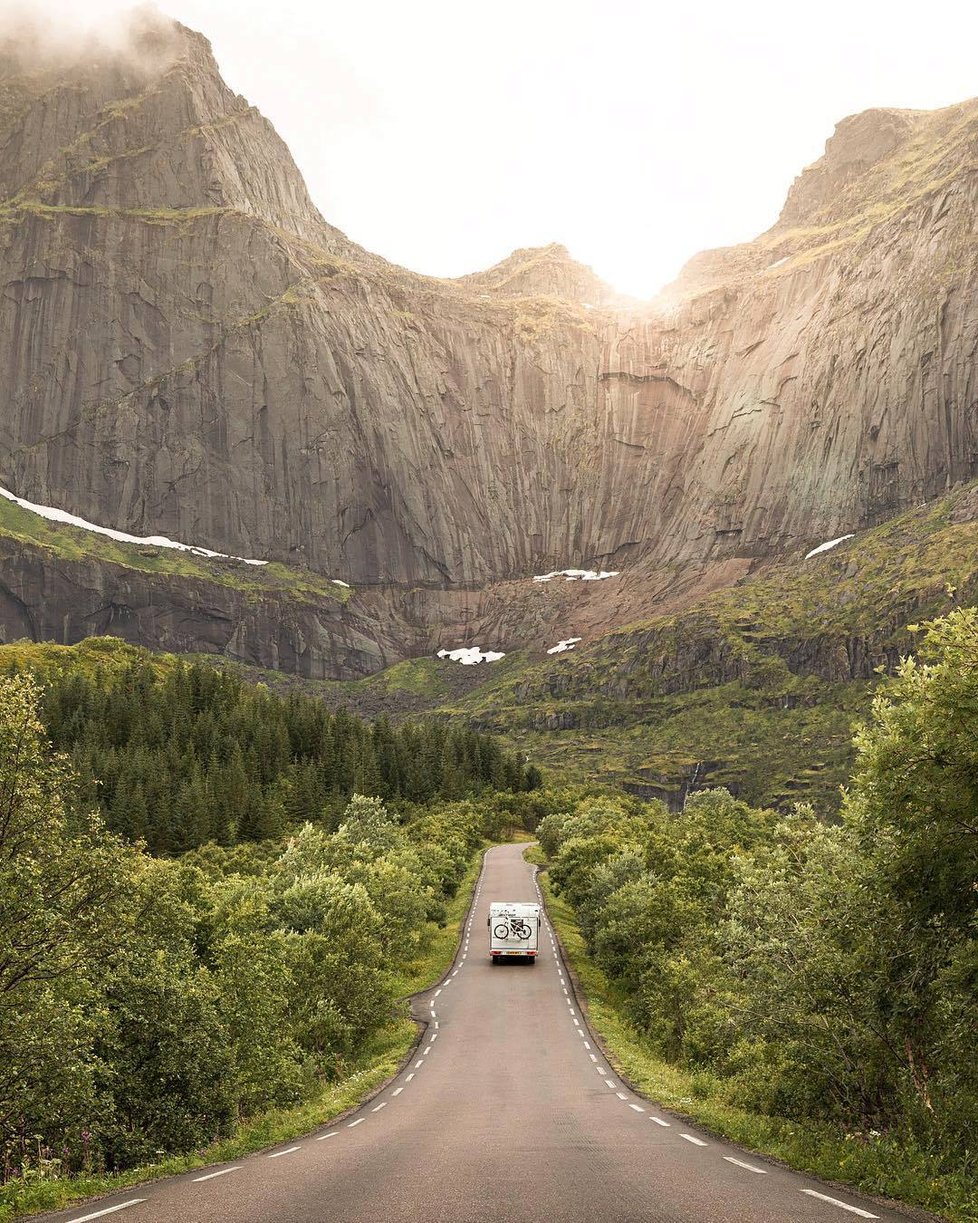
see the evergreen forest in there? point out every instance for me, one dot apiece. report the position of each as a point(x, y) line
point(186, 754)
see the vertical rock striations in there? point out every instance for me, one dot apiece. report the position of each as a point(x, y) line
point(188, 348)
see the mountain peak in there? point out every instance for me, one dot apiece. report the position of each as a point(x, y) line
point(858, 143)
point(542, 271)
point(139, 120)
point(883, 155)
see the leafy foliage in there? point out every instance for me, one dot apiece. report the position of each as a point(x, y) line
point(824, 973)
point(147, 1005)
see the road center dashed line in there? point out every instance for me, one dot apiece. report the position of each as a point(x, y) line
point(637, 1107)
point(379, 1107)
point(396, 1092)
point(331, 1134)
point(835, 1202)
point(698, 1142)
point(111, 1210)
point(287, 1151)
point(740, 1164)
point(211, 1175)
point(359, 1121)
point(658, 1120)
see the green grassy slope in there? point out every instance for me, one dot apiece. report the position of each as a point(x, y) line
point(74, 544)
point(756, 687)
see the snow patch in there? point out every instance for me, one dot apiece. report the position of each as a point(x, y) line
point(468, 656)
point(777, 263)
point(123, 537)
point(827, 545)
point(578, 575)
point(337, 582)
point(561, 646)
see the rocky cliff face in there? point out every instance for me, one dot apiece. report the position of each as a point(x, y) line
point(188, 348)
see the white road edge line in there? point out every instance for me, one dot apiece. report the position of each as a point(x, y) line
point(621, 1095)
point(379, 1107)
point(659, 1121)
point(418, 1064)
point(610, 1084)
point(359, 1121)
point(812, 1194)
point(740, 1164)
point(111, 1210)
point(331, 1134)
point(638, 1108)
point(396, 1092)
point(287, 1151)
point(210, 1175)
point(409, 1077)
point(694, 1140)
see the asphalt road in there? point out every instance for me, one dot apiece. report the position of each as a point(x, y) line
point(507, 1113)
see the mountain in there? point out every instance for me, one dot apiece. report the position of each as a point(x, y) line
point(188, 349)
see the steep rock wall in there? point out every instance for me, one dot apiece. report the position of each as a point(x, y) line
point(186, 347)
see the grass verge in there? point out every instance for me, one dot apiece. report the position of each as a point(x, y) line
point(880, 1168)
point(379, 1062)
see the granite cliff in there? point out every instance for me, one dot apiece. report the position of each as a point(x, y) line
point(187, 347)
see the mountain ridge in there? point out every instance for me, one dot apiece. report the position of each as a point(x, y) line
point(191, 350)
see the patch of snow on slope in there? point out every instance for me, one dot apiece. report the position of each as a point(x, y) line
point(468, 656)
point(122, 537)
point(561, 646)
point(578, 575)
point(827, 545)
point(777, 263)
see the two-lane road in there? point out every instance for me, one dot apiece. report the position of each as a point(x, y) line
point(507, 1113)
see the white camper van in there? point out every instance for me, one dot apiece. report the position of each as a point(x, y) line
point(514, 930)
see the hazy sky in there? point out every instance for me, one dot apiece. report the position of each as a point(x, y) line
point(444, 133)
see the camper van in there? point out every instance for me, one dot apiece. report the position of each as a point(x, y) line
point(514, 931)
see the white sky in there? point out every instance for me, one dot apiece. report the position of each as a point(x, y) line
point(444, 133)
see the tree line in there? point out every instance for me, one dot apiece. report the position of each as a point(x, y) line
point(148, 1004)
point(815, 971)
point(195, 755)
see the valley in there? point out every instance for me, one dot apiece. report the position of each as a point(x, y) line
point(338, 600)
